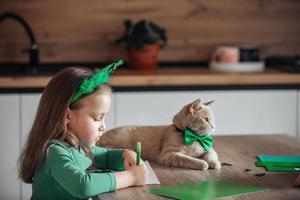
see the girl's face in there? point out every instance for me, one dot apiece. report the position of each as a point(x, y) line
point(88, 122)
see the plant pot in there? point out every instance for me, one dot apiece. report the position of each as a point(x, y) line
point(144, 59)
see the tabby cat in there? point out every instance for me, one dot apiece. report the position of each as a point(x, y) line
point(166, 144)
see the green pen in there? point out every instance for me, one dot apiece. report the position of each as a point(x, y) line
point(138, 152)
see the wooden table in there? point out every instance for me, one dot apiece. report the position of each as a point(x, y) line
point(241, 152)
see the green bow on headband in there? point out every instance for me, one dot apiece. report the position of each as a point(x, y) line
point(100, 77)
point(190, 137)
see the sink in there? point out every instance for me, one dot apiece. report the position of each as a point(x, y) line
point(41, 69)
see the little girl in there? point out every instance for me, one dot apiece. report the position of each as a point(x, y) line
point(60, 158)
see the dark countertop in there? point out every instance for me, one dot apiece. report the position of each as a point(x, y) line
point(184, 78)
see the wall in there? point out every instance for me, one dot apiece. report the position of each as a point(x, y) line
point(85, 30)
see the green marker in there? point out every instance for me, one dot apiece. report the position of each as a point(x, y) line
point(138, 152)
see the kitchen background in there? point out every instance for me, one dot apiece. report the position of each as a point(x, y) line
point(85, 31)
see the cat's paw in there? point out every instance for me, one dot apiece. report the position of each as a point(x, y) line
point(203, 165)
point(214, 164)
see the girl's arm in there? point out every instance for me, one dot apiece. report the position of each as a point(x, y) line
point(108, 158)
point(73, 178)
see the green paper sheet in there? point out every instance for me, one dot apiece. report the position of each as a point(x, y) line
point(209, 189)
point(282, 169)
point(279, 163)
point(276, 164)
point(289, 159)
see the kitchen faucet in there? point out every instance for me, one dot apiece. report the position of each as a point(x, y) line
point(33, 51)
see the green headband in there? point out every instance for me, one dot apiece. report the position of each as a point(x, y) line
point(91, 84)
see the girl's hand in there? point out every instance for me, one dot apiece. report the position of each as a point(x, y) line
point(140, 174)
point(129, 159)
point(136, 175)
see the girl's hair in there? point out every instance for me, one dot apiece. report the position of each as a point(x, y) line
point(49, 121)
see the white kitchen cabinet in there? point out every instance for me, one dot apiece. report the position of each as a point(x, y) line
point(298, 116)
point(237, 112)
point(29, 104)
point(110, 118)
point(9, 146)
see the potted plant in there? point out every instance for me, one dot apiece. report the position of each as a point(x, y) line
point(143, 41)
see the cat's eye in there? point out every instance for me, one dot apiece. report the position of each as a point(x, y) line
point(206, 119)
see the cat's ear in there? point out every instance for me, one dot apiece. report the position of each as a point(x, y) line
point(195, 106)
point(210, 103)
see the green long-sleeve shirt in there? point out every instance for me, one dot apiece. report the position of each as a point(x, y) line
point(64, 176)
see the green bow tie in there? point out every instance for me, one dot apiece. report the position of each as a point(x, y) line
point(190, 137)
